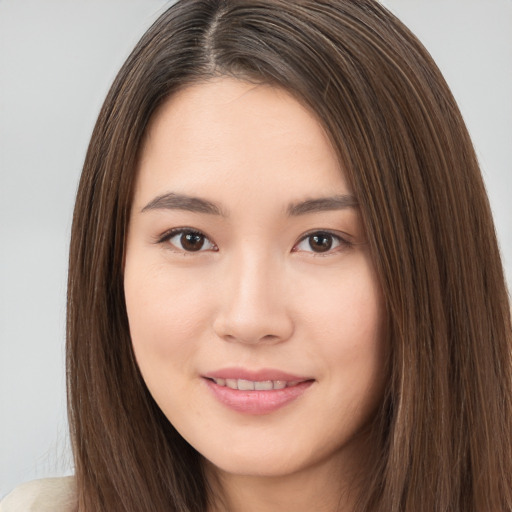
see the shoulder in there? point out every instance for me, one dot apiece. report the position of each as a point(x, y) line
point(45, 495)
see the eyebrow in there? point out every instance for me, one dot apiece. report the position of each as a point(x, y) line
point(175, 201)
point(322, 204)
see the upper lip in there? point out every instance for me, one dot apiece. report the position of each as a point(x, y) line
point(255, 375)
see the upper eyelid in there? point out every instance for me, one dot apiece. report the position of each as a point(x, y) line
point(176, 231)
point(342, 236)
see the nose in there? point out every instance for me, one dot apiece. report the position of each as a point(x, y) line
point(253, 305)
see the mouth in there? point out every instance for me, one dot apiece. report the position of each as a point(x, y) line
point(256, 393)
point(251, 385)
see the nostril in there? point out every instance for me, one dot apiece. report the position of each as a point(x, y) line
point(253, 322)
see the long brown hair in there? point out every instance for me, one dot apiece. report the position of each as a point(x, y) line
point(443, 433)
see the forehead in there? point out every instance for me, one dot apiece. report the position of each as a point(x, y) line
point(239, 135)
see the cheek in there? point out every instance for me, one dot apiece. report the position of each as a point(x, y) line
point(167, 320)
point(346, 322)
point(346, 306)
point(166, 315)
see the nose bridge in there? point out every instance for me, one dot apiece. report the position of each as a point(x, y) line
point(251, 282)
point(253, 306)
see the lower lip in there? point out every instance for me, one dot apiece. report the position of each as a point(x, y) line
point(257, 402)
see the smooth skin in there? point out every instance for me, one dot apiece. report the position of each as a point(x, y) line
point(235, 258)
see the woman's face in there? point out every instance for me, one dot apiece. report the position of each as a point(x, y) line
point(254, 310)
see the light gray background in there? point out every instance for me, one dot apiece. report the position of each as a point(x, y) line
point(57, 60)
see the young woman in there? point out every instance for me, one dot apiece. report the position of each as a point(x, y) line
point(285, 291)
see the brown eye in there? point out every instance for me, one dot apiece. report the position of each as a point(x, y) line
point(190, 241)
point(320, 242)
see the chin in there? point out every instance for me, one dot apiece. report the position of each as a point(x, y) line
point(255, 466)
point(260, 459)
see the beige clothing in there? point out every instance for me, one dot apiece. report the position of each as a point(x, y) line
point(45, 495)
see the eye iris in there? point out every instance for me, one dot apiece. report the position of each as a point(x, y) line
point(320, 242)
point(192, 241)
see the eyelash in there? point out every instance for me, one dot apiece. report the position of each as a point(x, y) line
point(342, 243)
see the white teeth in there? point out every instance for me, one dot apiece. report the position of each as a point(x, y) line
point(249, 385)
point(245, 385)
point(231, 383)
point(266, 385)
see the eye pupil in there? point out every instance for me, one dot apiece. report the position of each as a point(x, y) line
point(320, 242)
point(192, 241)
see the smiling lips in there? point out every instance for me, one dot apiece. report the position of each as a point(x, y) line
point(256, 392)
point(250, 385)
